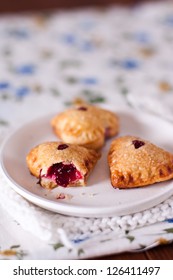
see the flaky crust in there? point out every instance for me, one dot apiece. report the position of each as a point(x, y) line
point(86, 127)
point(41, 157)
point(109, 120)
point(80, 128)
point(134, 167)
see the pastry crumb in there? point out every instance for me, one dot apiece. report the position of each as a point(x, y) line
point(64, 196)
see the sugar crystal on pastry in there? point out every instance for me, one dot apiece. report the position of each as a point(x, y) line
point(61, 164)
point(136, 162)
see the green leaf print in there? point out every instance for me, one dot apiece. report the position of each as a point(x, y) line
point(3, 122)
point(80, 251)
point(169, 230)
point(130, 238)
point(58, 246)
point(14, 246)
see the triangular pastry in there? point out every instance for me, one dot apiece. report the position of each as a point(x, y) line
point(59, 164)
point(135, 162)
point(85, 125)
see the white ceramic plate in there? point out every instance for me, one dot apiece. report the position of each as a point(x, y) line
point(98, 199)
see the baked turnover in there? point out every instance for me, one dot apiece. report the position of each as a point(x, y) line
point(85, 125)
point(135, 162)
point(59, 164)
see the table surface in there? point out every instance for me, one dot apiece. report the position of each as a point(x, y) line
point(162, 252)
point(32, 5)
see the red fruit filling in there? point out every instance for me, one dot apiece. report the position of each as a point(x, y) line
point(62, 146)
point(63, 174)
point(107, 132)
point(82, 108)
point(137, 144)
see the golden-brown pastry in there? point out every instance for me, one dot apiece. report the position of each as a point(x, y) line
point(59, 164)
point(109, 120)
point(85, 125)
point(135, 162)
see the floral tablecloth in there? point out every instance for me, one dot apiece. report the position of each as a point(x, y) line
point(121, 56)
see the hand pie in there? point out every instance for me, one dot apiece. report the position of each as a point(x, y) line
point(109, 120)
point(136, 162)
point(59, 164)
point(85, 125)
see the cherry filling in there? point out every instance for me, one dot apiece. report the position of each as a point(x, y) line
point(82, 108)
point(62, 146)
point(137, 144)
point(63, 174)
point(107, 132)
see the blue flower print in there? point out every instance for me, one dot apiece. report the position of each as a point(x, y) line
point(18, 33)
point(130, 64)
point(22, 91)
point(86, 46)
point(79, 240)
point(4, 85)
point(69, 39)
point(26, 69)
point(89, 81)
point(142, 37)
point(169, 220)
